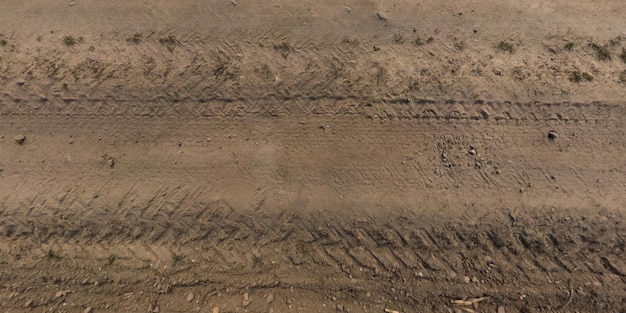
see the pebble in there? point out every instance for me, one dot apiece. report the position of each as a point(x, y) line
point(339, 307)
point(501, 309)
point(87, 310)
point(190, 297)
point(270, 298)
point(28, 303)
point(60, 293)
point(381, 16)
point(216, 310)
point(466, 279)
point(553, 135)
point(19, 139)
point(246, 299)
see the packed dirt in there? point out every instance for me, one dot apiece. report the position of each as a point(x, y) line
point(312, 156)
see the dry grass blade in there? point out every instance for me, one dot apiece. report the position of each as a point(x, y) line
point(468, 302)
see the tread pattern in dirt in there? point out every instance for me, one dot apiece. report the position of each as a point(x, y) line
point(273, 106)
point(500, 243)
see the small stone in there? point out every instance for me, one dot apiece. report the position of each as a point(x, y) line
point(216, 310)
point(19, 139)
point(339, 307)
point(472, 152)
point(87, 310)
point(474, 279)
point(156, 309)
point(190, 297)
point(60, 293)
point(553, 135)
point(368, 294)
point(501, 309)
point(270, 298)
point(20, 82)
point(28, 303)
point(381, 16)
point(466, 279)
point(246, 299)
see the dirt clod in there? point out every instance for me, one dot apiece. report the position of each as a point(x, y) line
point(19, 139)
point(61, 293)
point(246, 299)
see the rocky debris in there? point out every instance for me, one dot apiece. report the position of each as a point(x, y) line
point(163, 288)
point(270, 298)
point(190, 296)
point(19, 139)
point(246, 299)
point(553, 135)
point(61, 293)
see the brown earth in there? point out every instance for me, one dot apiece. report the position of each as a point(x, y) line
point(312, 156)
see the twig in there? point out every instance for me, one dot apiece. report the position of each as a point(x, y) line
point(571, 296)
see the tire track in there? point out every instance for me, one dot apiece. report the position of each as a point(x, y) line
point(233, 235)
point(339, 106)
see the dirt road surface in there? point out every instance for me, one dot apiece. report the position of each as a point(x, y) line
point(312, 156)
